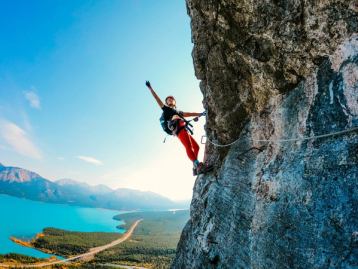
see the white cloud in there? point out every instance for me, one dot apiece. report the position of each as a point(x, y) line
point(33, 99)
point(90, 160)
point(18, 140)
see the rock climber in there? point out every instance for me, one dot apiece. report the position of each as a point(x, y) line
point(174, 123)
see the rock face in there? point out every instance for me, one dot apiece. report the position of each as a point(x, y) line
point(276, 70)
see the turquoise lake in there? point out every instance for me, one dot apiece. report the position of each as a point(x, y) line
point(25, 218)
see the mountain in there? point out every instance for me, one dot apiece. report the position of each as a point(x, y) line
point(22, 183)
point(73, 184)
point(16, 175)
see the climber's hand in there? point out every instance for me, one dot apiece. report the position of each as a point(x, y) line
point(203, 114)
point(196, 119)
point(147, 83)
point(176, 117)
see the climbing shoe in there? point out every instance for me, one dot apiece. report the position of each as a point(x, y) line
point(203, 168)
point(195, 168)
point(194, 172)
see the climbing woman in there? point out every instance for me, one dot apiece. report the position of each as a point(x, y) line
point(174, 123)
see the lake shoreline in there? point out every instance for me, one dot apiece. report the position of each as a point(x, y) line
point(39, 215)
point(29, 244)
point(157, 238)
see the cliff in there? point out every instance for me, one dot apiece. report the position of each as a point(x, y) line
point(275, 70)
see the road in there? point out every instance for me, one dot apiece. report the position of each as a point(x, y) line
point(122, 266)
point(83, 256)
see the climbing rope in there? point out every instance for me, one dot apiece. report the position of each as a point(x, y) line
point(282, 140)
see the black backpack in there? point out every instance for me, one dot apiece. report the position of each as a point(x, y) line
point(164, 124)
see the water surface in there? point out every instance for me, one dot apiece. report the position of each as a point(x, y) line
point(24, 218)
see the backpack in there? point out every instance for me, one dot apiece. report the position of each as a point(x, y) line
point(165, 125)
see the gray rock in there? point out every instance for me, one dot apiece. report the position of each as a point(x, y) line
point(276, 70)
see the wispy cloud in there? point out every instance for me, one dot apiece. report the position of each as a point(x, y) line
point(90, 160)
point(33, 98)
point(18, 139)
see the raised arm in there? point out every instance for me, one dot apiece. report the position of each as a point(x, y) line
point(191, 114)
point(156, 97)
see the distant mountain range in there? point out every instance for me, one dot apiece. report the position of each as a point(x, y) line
point(22, 183)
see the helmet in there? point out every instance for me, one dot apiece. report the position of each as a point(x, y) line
point(170, 96)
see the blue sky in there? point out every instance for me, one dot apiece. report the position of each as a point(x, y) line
point(73, 103)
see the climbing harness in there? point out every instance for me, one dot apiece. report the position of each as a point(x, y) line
point(281, 140)
point(171, 126)
point(188, 126)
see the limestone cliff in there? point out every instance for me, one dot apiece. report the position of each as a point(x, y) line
point(273, 70)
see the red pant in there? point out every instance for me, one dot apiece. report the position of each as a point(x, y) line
point(191, 146)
